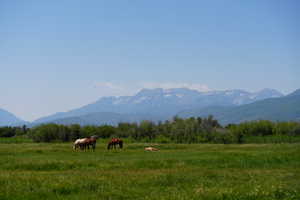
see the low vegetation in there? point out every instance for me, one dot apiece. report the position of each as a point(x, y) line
point(251, 160)
point(178, 130)
point(177, 171)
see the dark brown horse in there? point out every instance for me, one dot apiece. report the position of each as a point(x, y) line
point(91, 141)
point(114, 142)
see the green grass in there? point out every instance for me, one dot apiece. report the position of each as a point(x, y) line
point(271, 139)
point(16, 139)
point(177, 171)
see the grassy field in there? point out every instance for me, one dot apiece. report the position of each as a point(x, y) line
point(177, 171)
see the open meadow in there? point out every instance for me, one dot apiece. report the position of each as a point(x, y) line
point(177, 171)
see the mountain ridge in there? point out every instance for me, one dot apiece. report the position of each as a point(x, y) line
point(285, 108)
point(9, 119)
point(163, 103)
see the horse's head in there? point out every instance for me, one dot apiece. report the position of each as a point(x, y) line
point(109, 145)
point(76, 144)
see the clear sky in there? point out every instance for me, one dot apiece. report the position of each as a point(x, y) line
point(61, 54)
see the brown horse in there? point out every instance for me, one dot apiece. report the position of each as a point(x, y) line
point(90, 141)
point(114, 142)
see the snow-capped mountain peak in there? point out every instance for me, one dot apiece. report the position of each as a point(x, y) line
point(266, 93)
point(167, 102)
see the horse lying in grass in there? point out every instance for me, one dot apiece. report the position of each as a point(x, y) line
point(114, 142)
point(151, 149)
point(85, 143)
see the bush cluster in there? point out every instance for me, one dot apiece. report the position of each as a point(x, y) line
point(7, 131)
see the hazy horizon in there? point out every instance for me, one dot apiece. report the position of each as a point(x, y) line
point(59, 55)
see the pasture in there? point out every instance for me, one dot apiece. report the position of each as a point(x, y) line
point(177, 171)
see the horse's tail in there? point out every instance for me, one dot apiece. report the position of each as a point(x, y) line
point(121, 144)
point(108, 146)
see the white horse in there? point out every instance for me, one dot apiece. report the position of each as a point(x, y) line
point(79, 143)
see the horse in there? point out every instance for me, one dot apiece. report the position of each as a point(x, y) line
point(114, 142)
point(79, 143)
point(91, 141)
point(151, 149)
point(85, 143)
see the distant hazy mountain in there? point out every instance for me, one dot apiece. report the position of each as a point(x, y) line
point(285, 108)
point(160, 103)
point(154, 102)
point(9, 119)
point(103, 118)
point(236, 97)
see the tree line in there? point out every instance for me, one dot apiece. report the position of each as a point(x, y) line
point(177, 130)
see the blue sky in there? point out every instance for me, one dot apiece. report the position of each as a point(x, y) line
point(59, 55)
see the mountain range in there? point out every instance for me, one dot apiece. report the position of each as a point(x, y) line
point(9, 119)
point(229, 106)
point(285, 108)
point(157, 104)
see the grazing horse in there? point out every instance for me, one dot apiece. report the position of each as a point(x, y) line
point(91, 141)
point(114, 142)
point(79, 143)
point(85, 143)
